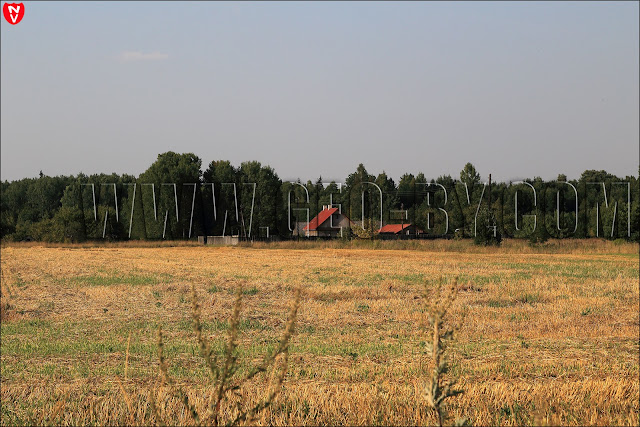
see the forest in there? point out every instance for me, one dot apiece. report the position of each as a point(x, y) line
point(175, 199)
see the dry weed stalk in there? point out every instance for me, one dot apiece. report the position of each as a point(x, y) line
point(439, 389)
point(127, 397)
point(184, 398)
point(223, 373)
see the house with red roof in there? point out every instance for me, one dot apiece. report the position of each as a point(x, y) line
point(400, 230)
point(327, 223)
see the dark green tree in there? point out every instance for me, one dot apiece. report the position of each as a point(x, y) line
point(168, 169)
point(222, 175)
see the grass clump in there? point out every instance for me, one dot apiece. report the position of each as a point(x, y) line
point(250, 291)
point(214, 289)
point(224, 369)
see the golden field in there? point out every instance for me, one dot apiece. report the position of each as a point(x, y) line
point(550, 334)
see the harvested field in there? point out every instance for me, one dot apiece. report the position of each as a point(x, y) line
point(548, 338)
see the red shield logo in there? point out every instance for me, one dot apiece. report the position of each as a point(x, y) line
point(13, 12)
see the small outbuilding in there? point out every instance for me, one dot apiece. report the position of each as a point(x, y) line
point(327, 223)
point(400, 230)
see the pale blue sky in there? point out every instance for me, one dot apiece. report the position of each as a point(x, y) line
point(519, 89)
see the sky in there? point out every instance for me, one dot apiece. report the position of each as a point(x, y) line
point(518, 89)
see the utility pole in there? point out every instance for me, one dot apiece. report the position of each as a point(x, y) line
point(491, 217)
point(402, 218)
point(489, 191)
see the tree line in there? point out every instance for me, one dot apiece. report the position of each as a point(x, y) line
point(175, 199)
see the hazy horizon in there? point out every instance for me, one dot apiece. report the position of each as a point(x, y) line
point(518, 89)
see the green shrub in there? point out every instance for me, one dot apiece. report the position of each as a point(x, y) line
point(487, 232)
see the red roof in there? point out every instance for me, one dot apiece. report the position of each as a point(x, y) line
point(393, 228)
point(320, 219)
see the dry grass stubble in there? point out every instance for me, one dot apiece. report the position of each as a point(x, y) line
point(547, 337)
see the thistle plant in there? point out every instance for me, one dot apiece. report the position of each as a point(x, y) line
point(438, 388)
point(223, 369)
